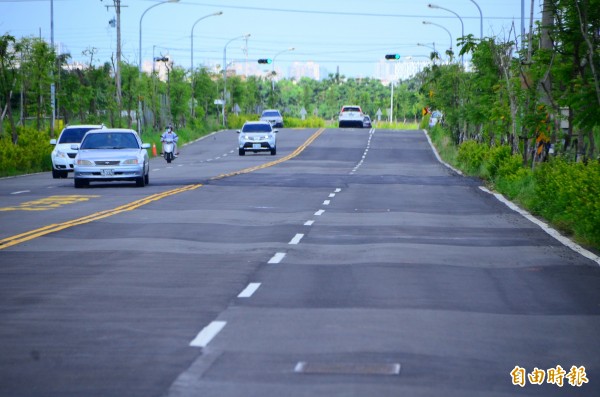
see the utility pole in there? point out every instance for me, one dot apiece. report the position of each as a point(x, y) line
point(52, 85)
point(117, 6)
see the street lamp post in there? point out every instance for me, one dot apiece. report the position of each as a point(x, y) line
point(192, 56)
point(432, 46)
point(480, 20)
point(140, 60)
point(440, 26)
point(225, 73)
point(273, 64)
point(462, 25)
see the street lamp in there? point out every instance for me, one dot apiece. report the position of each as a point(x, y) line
point(432, 46)
point(480, 20)
point(273, 63)
point(440, 26)
point(225, 73)
point(462, 26)
point(140, 60)
point(192, 56)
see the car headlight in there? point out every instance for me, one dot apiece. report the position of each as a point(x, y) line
point(61, 154)
point(131, 161)
point(84, 162)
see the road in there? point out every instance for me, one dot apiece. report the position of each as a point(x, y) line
point(352, 263)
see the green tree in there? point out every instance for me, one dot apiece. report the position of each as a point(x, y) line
point(8, 80)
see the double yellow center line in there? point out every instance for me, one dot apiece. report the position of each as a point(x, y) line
point(23, 237)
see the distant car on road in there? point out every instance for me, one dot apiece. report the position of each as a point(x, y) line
point(273, 116)
point(257, 136)
point(367, 122)
point(62, 155)
point(115, 154)
point(351, 116)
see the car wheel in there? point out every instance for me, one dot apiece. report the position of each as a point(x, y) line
point(64, 174)
point(241, 152)
point(274, 151)
point(79, 183)
point(56, 174)
point(147, 178)
point(141, 181)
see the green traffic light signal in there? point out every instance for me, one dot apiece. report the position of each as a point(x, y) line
point(265, 60)
point(392, 56)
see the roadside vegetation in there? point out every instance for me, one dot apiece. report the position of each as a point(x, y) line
point(524, 115)
point(527, 119)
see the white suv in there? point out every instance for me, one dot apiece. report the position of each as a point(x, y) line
point(257, 136)
point(63, 155)
point(273, 116)
point(351, 116)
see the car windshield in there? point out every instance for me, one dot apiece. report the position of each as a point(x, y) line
point(351, 109)
point(110, 141)
point(257, 128)
point(271, 114)
point(73, 135)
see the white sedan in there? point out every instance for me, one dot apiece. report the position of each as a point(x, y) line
point(116, 154)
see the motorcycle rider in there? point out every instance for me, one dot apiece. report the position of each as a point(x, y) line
point(169, 134)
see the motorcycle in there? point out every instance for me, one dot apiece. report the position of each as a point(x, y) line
point(168, 150)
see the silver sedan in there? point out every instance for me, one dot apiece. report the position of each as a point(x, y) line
point(116, 154)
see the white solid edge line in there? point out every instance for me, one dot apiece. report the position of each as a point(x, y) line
point(249, 290)
point(437, 155)
point(277, 258)
point(296, 239)
point(208, 333)
point(552, 232)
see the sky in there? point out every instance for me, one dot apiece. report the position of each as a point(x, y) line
point(352, 35)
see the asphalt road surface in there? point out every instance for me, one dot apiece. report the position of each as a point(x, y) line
point(352, 263)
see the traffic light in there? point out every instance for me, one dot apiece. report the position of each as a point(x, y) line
point(265, 60)
point(392, 56)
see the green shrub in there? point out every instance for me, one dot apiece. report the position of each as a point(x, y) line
point(309, 122)
point(568, 194)
point(30, 154)
point(471, 156)
point(235, 122)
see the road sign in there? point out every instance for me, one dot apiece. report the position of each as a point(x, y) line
point(303, 113)
point(378, 114)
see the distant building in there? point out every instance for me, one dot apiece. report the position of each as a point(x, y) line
point(311, 70)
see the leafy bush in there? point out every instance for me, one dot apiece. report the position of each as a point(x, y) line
point(567, 195)
point(30, 154)
point(471, 156)
point(309, 122)
point(235, 122)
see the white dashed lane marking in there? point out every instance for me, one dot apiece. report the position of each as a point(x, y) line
point(309, 223)
point(208, 333)
point(319, 212)
point(277, 258)
point(296, 239)
point(249, 290)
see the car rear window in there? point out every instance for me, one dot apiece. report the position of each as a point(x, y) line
point(73, 135)
point(257, 128)
point(351, 109)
